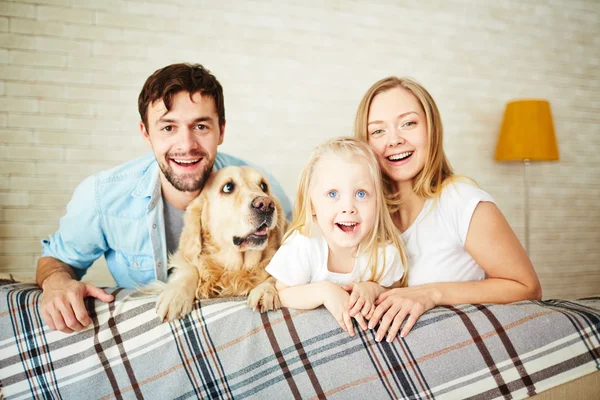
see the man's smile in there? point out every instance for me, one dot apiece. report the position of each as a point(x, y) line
point(186, 164)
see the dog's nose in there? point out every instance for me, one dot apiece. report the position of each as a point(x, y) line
point(263, 204)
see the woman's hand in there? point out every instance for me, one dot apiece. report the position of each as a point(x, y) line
point(396, 304)
point(336, 300)
point(362, 298)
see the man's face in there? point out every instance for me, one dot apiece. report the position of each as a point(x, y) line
point(184, 139)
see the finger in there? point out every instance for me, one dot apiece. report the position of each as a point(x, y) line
point(361, 321)
point(348, 322)
point(66, 311)
point(410, 322)
point(393, 327)
point(366, 308)
point(382, 297)
point(354, 297)
point(379, 311)
point(98, 293)
point(79, 310)
point(369, 315)
point(349, 287)
point(387, 320)
point(385, 295)
point(342, 323)
point(357, 307)
point(48, 319)
point(59, 321)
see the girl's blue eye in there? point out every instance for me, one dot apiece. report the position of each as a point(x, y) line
point(333, 194)
point(361, 194)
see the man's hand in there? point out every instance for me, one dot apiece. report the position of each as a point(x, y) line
point(336, 301)
point(62, 303)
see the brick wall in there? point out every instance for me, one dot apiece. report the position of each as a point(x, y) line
point(71, 70)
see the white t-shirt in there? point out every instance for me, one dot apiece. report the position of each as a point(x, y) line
point(302, 259)
point(435, 241)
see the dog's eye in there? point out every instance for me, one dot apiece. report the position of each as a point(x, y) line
point(228, 187)
point(264, 187)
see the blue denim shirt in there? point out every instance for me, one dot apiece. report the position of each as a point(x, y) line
point(119, 214)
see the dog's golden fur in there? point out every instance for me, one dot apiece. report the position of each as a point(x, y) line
point(226, 243)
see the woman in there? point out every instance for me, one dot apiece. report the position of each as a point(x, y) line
point(460, 247)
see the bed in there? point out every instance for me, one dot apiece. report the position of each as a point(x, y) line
point(549, 349)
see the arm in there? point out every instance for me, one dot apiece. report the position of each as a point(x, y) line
point(313, 295)
point(62, 305)
point(78, 242)
point(303, 297)
point(496, 249)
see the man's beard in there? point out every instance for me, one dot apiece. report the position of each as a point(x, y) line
point(188, 182)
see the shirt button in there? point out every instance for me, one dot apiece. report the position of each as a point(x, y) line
point(135, 265)
point(159, 263)
point(153, 226)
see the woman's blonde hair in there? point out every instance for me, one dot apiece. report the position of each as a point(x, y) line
point(437, 170)
point(384, 231)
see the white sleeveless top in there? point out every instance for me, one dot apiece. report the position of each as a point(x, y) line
point(435, 241)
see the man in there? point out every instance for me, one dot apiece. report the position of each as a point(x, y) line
point(133, 214)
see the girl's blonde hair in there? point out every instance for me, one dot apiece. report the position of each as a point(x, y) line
point(384, 231)
point(437, 171)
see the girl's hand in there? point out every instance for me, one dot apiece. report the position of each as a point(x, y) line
point(362, 298)
point(395, 305)
point(335, 300)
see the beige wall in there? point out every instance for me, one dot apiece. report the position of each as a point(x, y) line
point(293, 76)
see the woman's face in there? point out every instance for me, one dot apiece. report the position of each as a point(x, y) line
point(397, 133)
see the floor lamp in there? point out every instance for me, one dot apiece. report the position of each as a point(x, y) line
point(527, 134)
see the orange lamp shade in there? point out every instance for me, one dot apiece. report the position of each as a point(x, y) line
point(527, 132)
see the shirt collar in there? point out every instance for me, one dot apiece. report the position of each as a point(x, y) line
point(149, 185)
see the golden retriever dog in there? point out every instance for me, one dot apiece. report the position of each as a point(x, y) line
point(230, 233)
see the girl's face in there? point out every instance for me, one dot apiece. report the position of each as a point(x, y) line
point(397, 133)
point(344, 201)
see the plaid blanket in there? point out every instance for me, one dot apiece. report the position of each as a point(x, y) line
point(224, 350)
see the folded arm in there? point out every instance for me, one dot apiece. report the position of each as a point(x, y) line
point(313, 295)
point(496, 249)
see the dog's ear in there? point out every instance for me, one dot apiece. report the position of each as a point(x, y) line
point(190, 241)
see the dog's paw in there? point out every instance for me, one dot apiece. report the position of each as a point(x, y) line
point(264, 296)
point(174, 303)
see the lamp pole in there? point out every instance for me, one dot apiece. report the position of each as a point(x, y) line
point(526, 190)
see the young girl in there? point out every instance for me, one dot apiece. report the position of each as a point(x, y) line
point(342, 238)
point(459, 245)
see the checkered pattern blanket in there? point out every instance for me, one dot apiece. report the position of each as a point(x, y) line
point(224, 350)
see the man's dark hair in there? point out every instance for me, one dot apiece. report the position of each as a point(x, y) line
point(166, 82)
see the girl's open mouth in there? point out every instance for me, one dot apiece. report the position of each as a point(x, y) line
point(347, 227)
